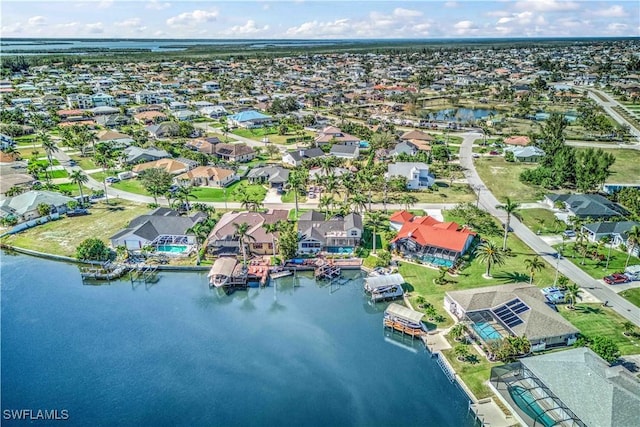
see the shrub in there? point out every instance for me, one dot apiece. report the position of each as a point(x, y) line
point(93, 249)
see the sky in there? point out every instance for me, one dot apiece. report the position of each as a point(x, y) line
point(320, 19)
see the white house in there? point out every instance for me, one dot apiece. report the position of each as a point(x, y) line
point(417, 174)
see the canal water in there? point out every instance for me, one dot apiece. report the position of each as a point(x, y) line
point(178, 353)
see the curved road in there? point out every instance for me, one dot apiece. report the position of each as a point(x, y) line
point(488, 202)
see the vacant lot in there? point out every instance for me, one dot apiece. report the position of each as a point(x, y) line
point(633, 295)
point(596, 267)
point(541, 220)
point(503, 179)
point(594, 320)
point(63, 236)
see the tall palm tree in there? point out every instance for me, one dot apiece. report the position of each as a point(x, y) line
point(633, 239)
point(78, 177)
point(325, 202)
point(272, 229)
point(184, 193)
point(488, 253)
point(571, 293)
point(408, 200)
point(359, 202)
point(242, 232)
point(533, 264)
point(201, 232)
point(49, 147)
point(105, 162)
point(296, 183)
point(509, 207)
point(376, 221)
point(606, 240)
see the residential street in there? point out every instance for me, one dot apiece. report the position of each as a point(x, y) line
point(488, 201)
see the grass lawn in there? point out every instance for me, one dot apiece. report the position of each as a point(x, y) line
point(209, 194)
point(270, 133)
point(288, 197)
point(596, 268)
point(131, 186)
point(541, 220)
point(420, 278)
point(594, 320)
point(61, 237)
point(25, 140)
point(442, 193)
point(503, 179)
point(292, 214)
point(475, 374)
point(85, 163)
point(54, 174)
point(633, 295)
point(625, 169)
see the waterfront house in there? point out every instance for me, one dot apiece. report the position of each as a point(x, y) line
point(17, 179)
point(295, 158)
point(417, 174)
point(585, 206)
point(517, 309)
point(223, 237)
point(239, 152)
point(429, 240)
point(209, 176)
point(139, 155)
point(576, 386)
point(160, 227)
point(276, 176)
point(24, 206)
point(334, 235)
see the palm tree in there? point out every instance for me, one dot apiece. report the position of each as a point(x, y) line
point(408, 200)
point(376, 221)
point(201, 232)
point(325, 202)
point(534, 264)
point(184, 193)
point(272, 228)
point(509, 207)
point(633, 239)
point(359, 202)
point(242, 231)
point(487, 252)
point(461, 351)
point(296, 182)
point(78, 177)
point(105, 162)
point(49, 147)
point(457, 331)
point(571, 293)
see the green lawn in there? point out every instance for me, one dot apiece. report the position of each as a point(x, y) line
point(55, 174)
point(595, 268)
point(474, 375)
point(85, 163)
point(632, 295)
point(271, 133)
point(420, 278)
point(289, 197)
point(541, 220)
point(61, 237)
point(25, 140)
point(292, 214)
point(208, 194)
point(441, 192)
point(503, 179)
point(131, 186)
point(625, 169)
point(594, 320)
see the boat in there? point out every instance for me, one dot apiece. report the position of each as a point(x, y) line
point(385, 287)
point(279, 272)
point(405, 320)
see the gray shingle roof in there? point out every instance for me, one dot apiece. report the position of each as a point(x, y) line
point(611, 227)
point(312, 224)
point(599, 395)
point(589, 205)
point(161, 221)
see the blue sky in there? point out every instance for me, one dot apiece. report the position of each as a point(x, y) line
point(318, 19)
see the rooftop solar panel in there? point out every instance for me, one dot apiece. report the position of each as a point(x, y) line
point(508, 312)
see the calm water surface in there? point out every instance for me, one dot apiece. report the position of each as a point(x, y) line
point(177, 353)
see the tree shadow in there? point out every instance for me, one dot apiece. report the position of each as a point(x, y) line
point(408, 287)
point(511, 277)
point(588, 309)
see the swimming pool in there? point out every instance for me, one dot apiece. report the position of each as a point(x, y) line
point(439, 262)
point(527, 402)
point(339, 250)
point(364, 144)
point(486, 331)
point(173, 249)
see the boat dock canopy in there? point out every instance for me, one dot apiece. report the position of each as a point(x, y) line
point(385, 281)
point(402, 312)
point(223, 267)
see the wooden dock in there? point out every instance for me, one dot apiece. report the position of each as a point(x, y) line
point(106, 271)
point(327, 271)
point(407, 330)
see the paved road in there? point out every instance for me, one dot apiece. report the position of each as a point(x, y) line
point(488, 202)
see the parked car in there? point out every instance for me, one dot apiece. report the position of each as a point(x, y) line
point(78, 212)
point(111, 179)
point(494, 153)
point(615, 279)
point(569, 233)
point(173, 189)
point(475, 155)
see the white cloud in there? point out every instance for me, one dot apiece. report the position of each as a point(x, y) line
point(192, 18)
point(95, 28)
point(406, 13)
point(617, 27)
point(451, 4)
point(36, 21)
point(156, 5)
point(105, 4)
point(465, 28)
point(249, 28)
point(498, 13)
point(13, 29)
point(318, 29)
point(615, 11)
point(546, 5)
point(131, 22)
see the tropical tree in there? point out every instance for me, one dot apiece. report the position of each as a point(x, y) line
point(184, 194)
point(408, 200)
point(359, 202)
point(571, 293)
point(201, 230)
point(104, 159)
point(92, 249)
point(44, 209)
point(606, 348)
point(457, 331)
point(156, 181)
point(272, 228)
point(49, 147)
point(79, 178)
point(462, 352)
point(488, 253)
point(510, 208)
point(296, 182)
point(633, 240)
point(533, 264)
point(325, 204)
point(628, 328)
point(242, 232)
point(376, 221)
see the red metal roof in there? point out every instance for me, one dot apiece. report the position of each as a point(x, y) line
point(428, 231)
